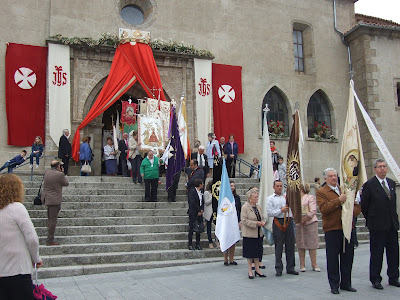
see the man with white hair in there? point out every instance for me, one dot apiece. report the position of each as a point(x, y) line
point(330, 201)
point(64, 150)
point(201, 158)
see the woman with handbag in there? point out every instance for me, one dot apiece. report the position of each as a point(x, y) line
point(85, 156)
point(252, 222)
point(110, 157)
point(195, 212)
point(19, 243)
point(208, 211)
point(307, 229)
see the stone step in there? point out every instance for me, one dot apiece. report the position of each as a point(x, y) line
point(64, 213)
point(41, 222)
point(113, 229)
point(114, 198)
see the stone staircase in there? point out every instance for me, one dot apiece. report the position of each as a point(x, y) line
point(104, 226)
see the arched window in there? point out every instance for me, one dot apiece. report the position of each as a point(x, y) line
point(278, 110)
point(319, 116)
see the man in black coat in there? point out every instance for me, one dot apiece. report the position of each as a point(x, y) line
point(201, 158)
point(195, 211)
point(64, 150)
point(194, 173)
point(123, 146)
point(378, 205)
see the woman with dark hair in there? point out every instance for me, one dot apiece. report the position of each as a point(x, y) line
point(212, 150)
point(19, 243)
point(109, 157)
point(37, 151)
point(208, 210)
point(85, 154)
point(231, 251)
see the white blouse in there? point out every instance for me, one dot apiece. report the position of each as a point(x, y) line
point(107, 150)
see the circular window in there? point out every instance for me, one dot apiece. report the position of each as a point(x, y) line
point(139, 14)
point(132, 15)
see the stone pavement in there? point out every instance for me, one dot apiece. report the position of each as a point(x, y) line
point(215, 281)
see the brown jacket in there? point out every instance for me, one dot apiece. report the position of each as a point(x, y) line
point(53, 183)
point(331, 209)
point(248, 219)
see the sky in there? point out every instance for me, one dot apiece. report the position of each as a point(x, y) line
point(385, 9)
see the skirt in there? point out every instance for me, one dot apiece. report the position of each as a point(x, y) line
point(111, 165)
point(252, 247)
point(210, 162)
point(307, 236)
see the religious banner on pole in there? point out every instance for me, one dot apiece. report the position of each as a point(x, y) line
point(150, 134)
point(202, 75)
point(227, 102)
point(128, 113)
point(25, 72)
point(183, 128)
point(293, 173)
point(58, 78)
point(352, 167)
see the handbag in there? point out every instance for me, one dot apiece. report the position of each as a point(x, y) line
point(86, 168)
point(198, 225)
point(38, 198)
point(128, 163)
point(40, 292)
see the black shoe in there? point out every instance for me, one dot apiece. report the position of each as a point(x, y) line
point(226, 263)
point(335, 291)
point(198, 247)
point(293, 272)
point(191, 247)
point(349, 289)
point(233, 263)
point(261, 267)
point(251, 277)
point(395, 283)
point(278, 274)
point(259, 275)
point(377, 285)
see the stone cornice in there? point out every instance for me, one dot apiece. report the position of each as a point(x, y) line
point(372, 30)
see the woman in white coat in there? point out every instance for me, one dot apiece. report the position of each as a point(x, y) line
point(212, 149)
point(208, 211)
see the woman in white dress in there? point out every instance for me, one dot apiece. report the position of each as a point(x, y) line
point(212, 150)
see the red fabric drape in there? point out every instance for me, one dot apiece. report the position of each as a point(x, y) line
point(131, 63)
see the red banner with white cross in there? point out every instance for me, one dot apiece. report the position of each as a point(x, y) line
point(25, 93)
point(227, 102)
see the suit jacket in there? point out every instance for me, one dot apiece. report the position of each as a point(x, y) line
point(228, 149)
point(379, 211)
point(248, 220)
point(331, 209)
point(122, 147)
point(205, 168)
point(194, 202)
point(53, 183)
point(64, 147)
point(196, 174)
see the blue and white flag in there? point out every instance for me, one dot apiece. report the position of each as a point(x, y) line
point(227, 227)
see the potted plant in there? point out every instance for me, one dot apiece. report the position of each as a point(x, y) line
point(276, 128)
point(321, 128)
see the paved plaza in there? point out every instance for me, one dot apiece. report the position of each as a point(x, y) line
point(216, 281)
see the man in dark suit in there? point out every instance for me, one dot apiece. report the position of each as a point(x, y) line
point(201, 158)
point(64, 150)
point(378, 204)
point(330, 201)
point(123, 146)
point(231, 150)
point(195, 211)
point(194, 173)
point(53, 182)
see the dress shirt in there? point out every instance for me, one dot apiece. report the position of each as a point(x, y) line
point(384, 180)
point(200, 196)
point(201, 160)
point(274, 204)
point(335, 188)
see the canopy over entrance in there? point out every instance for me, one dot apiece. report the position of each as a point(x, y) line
point(131, 63)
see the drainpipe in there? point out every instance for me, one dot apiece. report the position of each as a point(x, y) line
point(344, 42)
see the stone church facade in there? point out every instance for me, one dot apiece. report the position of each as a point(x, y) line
point(260, 36)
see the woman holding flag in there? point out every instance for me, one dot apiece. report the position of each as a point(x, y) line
point(252, 221)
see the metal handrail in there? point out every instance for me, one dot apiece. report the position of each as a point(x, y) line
point(241, 161)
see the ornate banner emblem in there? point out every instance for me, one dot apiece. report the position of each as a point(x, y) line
point(226, 207)
point(215, 189)
point(204, 87)
point(25, 78)
point(350, 165)
point(226, 93)
point(293, 171)
point(60, 77)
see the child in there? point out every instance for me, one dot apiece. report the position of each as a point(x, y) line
point(282, 172)
point(12, 163)
point(254, 169)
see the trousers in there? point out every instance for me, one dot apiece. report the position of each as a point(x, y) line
point(192, 219)
point(18, 287)
point(52, 216)
point(150, 189)
point(288, 239)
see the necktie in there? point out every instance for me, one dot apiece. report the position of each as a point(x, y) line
point(201, 161)
point(385, 188)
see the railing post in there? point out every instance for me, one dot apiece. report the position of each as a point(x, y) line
point(31, 174)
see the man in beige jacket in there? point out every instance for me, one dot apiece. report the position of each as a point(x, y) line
point(53, 182)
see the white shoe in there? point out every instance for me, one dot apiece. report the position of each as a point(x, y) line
point(302, 269)
point(37, 166)
point(316, 269)
point(31, 166)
